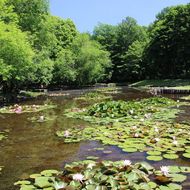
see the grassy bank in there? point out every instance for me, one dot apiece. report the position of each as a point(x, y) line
point(178, 84)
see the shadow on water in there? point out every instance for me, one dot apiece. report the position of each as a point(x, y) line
point(32, 147)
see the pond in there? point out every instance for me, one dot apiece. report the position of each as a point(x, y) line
point(32, 147)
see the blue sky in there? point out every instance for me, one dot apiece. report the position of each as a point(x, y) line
point(87, 13)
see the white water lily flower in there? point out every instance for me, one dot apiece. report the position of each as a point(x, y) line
point(66, 133)
point(174, 138)
point(165, 170)
point(157, 139)
point(134, 127)
point(175, 142)
point(78, 177)
point(127, 163)
point(91, 165)
point(131, 111)
point(147, 115)
point(136, 135)
point(156, 129)
point(41, 118)
point(58, 185)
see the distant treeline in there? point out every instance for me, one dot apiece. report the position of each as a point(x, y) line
point(37, 48)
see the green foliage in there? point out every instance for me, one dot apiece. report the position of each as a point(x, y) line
point(94, 96)
point(91, 60)
point(116, 109)
point(65, 68)
point(6, 13)
point(117, 40)
point(16, 57)
point(31, 13)
point(133, 66)
point(54, 35)
point(43, 68)
point(107, 175)
point(167, 54)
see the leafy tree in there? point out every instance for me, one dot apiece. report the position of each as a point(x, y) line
point(106, 35)
point(133, 64)
point(91, 60)
point(15, 57)
point(64, 69)
point(54, 35)
point(167, 55)
point(31, 13)
point(128, 32)
point(117, 40)
point(43, 68)
point(6, 13)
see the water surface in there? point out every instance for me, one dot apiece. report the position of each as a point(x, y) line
point(32, 147)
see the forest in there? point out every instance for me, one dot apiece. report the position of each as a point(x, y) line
point(39, 49)
point(101, 110)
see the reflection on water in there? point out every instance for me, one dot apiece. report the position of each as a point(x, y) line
point(32, 147)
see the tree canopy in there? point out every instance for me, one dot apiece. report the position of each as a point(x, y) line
point(37, 48)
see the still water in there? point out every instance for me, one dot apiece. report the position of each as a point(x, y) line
point(32, 147)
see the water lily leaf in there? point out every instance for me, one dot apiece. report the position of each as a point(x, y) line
point(92, 158)
point(170, 156)
point(43, 182)
point(130, 150)
point(164, 187)
point(154, 153)
point(174, 186)
point(154, 158)
point(91, 187)
point(174, 169)
point(27, 187)
point(49, 173)
point(24, 182)
point(152, 185)
point(185, 169)
point(186, 155)
point(178, 177)
point(33, 176)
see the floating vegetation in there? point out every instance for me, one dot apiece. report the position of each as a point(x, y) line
point(109, 90)
point(42, 118)
point(107, 175)
point(94, 96)
point(185, 98)
point(142, 126)
point(26, 108)
point(1, 167)
point(160, 140)
point(3, 134)
point(156, 108)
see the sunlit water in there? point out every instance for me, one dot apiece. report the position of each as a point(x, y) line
point(32, 147)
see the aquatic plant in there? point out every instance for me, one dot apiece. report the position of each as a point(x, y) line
point(141, 138)
point(156, 108)
point(107, 175)
point(94, 96)
point(109, 90)
point(18, 109)
point(3, 134)
point(42, 118)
